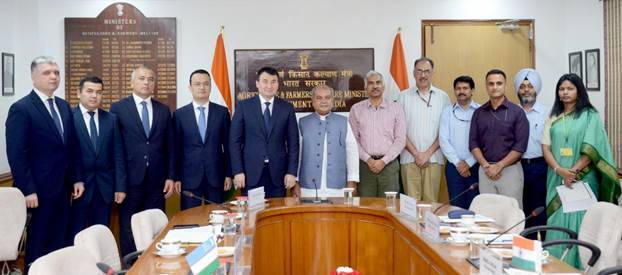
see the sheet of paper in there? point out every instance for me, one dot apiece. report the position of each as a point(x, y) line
point(578, 198)
point(256, 197)
point(432, 226)
point(489, 262)
point(190, 235)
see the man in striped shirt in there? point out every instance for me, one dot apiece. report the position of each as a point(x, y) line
point(422, 160)
point(379, 129)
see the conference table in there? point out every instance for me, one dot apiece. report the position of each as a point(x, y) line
point(289, 237)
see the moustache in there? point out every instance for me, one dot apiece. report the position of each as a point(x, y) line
point(461, 94)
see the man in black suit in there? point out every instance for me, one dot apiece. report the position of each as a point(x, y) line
point(42, 149)
point(202, 145)
point(147, 131)
point(264, 139)
point(103, 168)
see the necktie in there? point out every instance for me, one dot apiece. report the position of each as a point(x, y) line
point(202, 123)
point(56, 118)
point(266, 116)
point(93, 129)
point(145, 118)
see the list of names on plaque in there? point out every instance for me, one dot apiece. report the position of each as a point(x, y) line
point(113, 44)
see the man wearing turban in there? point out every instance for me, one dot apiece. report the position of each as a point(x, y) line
point(528, 84)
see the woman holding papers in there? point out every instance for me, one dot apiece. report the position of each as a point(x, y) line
point(576, 148)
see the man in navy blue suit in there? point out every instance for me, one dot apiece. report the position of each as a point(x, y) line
point(103, 168)
point(41, 149)
point(147, 131)
point(264, 139)
point(202, 145)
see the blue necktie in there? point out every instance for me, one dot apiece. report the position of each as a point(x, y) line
point(202, 123)
point(56, 118)
point(145, 118)
point(266, 116)
point(93, 129)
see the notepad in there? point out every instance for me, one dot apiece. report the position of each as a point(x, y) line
point(578, 198)
point(190, 235)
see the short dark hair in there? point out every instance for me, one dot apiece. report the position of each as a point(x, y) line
point(496, 71)
point(199, 71)
point(421, 59)
point(583, 100)
point(268, 70)
point(92, 79)
point(465, 79)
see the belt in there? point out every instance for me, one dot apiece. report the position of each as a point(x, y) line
point(376, 157)
point(532, 160)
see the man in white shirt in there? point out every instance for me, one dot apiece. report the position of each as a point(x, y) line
point(421, 161)
point(329, 153)
point(461, 170)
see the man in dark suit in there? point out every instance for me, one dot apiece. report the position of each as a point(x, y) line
point(264, 139)
point(147, 131)
point(103, 168)
point(202, 145)
point(41, 149)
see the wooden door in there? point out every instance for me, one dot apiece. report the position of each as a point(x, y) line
point(472, 48)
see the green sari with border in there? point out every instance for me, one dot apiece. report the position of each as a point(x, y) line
point(586, 136)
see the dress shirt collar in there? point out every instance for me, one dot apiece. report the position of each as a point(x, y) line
point(139, 99)
point(537, 107)
point(43, 96)
point(383, 104)
point(505, 104)
point(196, 105)
point(472, 105)
point(85, 111)
point(263, 101)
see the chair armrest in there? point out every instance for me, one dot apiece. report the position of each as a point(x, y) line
point(129, 259)
point(535, 229)
point(595, 250)
point(611, 270)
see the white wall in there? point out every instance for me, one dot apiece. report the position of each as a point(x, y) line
point(561, 26)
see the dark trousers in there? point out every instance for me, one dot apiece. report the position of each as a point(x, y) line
point(86, 213)
point(145, 196)
point(48, 226)
point(204, 190)
point(456, 184)
point(534, 192)
point(273, 190)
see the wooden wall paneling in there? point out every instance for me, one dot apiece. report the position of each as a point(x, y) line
point(270, 252)
point(320, 242)
point(374, 252)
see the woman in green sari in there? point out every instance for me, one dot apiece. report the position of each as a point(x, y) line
point(576, 147)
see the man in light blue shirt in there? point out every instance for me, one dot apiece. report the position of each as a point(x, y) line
point(461, 170)
point(528, 83)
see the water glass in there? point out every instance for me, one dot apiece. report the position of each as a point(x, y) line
point(391, 197)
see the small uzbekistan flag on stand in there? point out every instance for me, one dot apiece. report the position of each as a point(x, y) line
point(204, 259)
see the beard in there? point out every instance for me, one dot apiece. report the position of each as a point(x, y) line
point(527, 100)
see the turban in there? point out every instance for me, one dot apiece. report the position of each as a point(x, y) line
point(531, 75)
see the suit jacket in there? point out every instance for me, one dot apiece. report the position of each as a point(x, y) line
point(103, 166)
point(251, 142)
point(195, 158)
point(41, 162)
point(153, 153)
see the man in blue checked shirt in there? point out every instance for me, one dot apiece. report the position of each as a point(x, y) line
point(461, 169)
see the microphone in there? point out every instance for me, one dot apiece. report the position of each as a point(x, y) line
point(206, 201)
point(472, 187)
point(534, 213)
point(317, 199)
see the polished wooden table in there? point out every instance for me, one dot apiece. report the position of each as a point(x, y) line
point(292, 238)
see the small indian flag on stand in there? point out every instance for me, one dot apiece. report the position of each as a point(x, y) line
point(204, 259)
point(526, 254)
